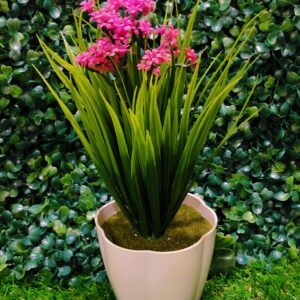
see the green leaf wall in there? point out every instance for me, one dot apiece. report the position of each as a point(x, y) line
point(49, 189)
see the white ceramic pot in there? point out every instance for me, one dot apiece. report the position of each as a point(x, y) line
point(152, 275)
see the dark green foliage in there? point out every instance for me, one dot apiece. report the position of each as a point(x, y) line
point(49, 189)
point(254, 184)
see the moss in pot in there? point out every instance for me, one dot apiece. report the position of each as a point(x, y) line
point(187, 227)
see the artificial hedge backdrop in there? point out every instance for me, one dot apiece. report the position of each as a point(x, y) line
point(49, 190)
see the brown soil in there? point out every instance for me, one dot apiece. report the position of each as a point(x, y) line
point(187, 228)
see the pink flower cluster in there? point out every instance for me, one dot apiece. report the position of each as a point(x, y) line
point(145, 27)
point(132, 7)
point(191, 56)
point(119, 27)
point(169, 36)
point(152, 59)
point(102, 55)
point(123, 26)
point(120, 21)
point(87, 5)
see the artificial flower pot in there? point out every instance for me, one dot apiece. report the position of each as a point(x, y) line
point(153, 275)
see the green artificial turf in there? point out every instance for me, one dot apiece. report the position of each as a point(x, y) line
point(46, 291)
point(282, 282)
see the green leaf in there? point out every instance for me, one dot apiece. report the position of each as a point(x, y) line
point(227, 42)
point(265, 26)
point(249, 217)
point(3, 264)
point(18, 272)
point(59, 227)
point(50, 263)
point(15, 91)
point(281, 196)
point(275, 255)
point(224, 4)
point(266, 194)
point(34, 233)
point(55, 12)
point(96, 262)
point(66, 179)
point(293, 252)
point(4, 103)
point(261, 48)
point(4, 195)
point(13, 24)
point(66, 255)
point(100, 277)
point(296, 146)
point(71, 238)
point(64, 271)
point(30, 264)
point(63, 212)
point(35, 185)
point(17, 207)
point(216, 26)
point(242, 259)
point(46, 274)
point(47, 242)
point(87, 199)
point(35, 209)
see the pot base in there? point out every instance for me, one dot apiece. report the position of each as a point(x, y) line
point(152, 275)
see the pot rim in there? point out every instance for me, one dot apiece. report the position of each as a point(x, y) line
point(197, 196)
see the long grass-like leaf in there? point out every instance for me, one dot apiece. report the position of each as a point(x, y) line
point(188, 33)
point(144, 132)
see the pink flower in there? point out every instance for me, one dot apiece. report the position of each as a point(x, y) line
point(154, 58)
point(134, 7)
point(120, 28)
point(102, 56)
point(191, 55)
point(169, 36)
point(145, 27)
point(156, 71)
point(87, 5)
point(120, 19)
point(161, 29)
point(123, 29)
point(105, 18)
